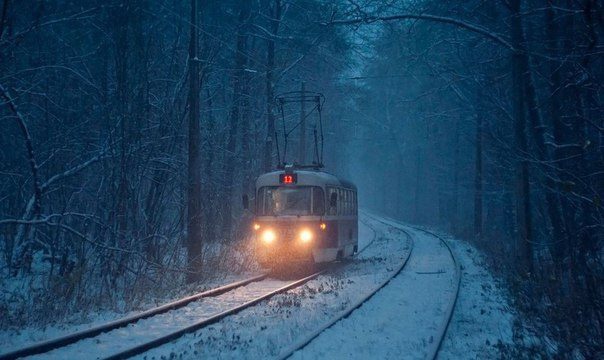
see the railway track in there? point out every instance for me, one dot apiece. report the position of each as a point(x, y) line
point(144, 346)
point(52, 344)
point(345, 313)
point(209, 321)
point(442, 330)
point(59, 343)
point(64, 341)
point(434, 347)
point(433, 353)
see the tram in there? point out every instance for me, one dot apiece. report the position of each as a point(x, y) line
point(304, 215)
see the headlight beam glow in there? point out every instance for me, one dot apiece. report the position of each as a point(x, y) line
point(268, 236)
point(306, 235)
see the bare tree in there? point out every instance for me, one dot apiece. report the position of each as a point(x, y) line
point(194, 213)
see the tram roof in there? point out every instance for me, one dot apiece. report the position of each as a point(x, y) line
point(305, 177)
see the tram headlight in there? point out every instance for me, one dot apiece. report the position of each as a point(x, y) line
point(256, 226)
point(268, 236)
point(306, 235)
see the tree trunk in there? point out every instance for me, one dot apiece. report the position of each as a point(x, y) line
point(194, 158)
point(523, 192)
point(478, 180)
point(210, 210)
point(418, 179)
point(455, 208)
point(275, 14)
point(230, 164)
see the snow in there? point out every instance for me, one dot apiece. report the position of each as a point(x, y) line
point(11, 339)
point(399, 321)
point(265, 329)
point(402, 318)
point(148, 329)
point(483, 319)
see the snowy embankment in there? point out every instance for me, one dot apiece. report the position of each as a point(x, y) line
point(483, 319)
point(14, 338)
point(399, 321)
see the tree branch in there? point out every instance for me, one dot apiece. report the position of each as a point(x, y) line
point(441, 19)
point(28, 143)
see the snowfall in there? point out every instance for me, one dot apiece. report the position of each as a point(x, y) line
point(402, 320)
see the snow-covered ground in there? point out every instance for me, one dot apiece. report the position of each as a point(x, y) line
point(263, 331)
point(400, 321)
point(11, 339)
point(483, 319)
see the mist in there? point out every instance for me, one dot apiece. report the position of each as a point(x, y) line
point(131, 130)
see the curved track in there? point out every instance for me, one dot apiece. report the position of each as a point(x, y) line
point(216, 316)
point(433, 353)
point(345, 313)
point(434, 347)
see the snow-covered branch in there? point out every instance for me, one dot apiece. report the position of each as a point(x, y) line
point(28, 144)
point(82, 15)
point(101, 155)
point(441, 19)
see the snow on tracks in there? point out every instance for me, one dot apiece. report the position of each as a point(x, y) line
point(263, 331)
point(68, 339)
point(407, 318)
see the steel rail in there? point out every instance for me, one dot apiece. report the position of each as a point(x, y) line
point(60, 342)
point(52, 344)
point(433, 354)
point(141, 348)
point(345, 313)
point(434, 350)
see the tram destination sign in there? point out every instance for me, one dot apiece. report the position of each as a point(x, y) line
point(288, 179)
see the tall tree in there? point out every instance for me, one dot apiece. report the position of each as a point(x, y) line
point(478, 178)
point(274, 13)
point(194, 214)
point(235, 114)
point(523, 190)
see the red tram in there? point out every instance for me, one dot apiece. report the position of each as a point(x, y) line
point(304, 216)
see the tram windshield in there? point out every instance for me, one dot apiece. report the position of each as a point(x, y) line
point(282, 200)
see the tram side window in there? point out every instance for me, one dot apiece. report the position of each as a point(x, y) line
point(318, 201)
point(332, 210)
point(260, 202)
point(346, 202)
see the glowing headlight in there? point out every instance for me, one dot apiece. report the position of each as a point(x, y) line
point(306, 235)
point(256, 226)
point(268, 236)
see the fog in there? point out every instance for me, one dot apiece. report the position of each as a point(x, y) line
point(131, 130)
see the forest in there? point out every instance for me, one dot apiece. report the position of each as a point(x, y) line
point(130, 129)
